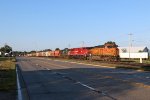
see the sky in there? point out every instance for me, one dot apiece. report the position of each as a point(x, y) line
point(48, 24)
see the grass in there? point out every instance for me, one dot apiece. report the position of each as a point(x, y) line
point(128, 67)
point(147, 61)
point(145, 68)
point(6, 58)
point(7, 74)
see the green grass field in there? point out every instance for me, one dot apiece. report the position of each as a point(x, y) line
point(7, 74)
point(144, 61)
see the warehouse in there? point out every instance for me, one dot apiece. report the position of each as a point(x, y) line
point(133, 52)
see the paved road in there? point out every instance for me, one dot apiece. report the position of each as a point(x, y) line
point(56, 80)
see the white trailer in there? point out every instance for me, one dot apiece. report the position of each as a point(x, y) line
point(134, 55)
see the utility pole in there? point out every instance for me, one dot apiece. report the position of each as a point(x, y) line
point(82, 44)
point(130, 44)
point(69, 46)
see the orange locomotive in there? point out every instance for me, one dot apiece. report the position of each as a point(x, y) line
point(106, 52)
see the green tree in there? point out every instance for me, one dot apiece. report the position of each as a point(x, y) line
point(140, 51)
point(57, 49)
point(47, 50)
point(6, 49)
point(33, 51)
point(111, 44)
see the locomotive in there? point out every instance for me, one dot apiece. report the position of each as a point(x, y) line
point(78, 53)
point(107, 52)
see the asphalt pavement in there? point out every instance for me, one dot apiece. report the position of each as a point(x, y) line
point(47, 79)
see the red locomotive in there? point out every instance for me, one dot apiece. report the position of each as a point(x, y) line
point(80, 53)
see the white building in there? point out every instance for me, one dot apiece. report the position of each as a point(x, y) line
point(133, 52)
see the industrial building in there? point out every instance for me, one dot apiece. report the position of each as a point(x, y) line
point(134, 52)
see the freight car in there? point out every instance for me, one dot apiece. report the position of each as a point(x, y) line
point(106, 52)
point(64, 53)
point(55, 53)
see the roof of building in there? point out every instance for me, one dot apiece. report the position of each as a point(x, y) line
point(133, 49)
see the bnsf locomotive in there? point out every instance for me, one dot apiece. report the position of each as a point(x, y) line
point(107, 52)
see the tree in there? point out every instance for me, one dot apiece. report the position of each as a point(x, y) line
point(110, 44)
point(33, 51)
point(57, 49)
point(140, 51)
point(6, 49)
point(47, 50)
point(19, 53)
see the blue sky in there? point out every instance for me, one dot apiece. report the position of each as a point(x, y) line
point(42, 24)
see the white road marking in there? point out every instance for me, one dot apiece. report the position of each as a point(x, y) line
point(47, 68)
point(91, 88)
point(91, 65)
point(18, 86)
point(84, 85)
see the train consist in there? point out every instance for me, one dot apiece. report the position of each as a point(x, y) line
point(107, 52)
